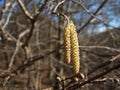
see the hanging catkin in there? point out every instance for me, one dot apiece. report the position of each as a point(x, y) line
point(71, 46)
point(74, 47)
point(67, 46)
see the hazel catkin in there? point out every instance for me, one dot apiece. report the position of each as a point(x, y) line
point(67, 45)
point(74, 48)
point(71, 46)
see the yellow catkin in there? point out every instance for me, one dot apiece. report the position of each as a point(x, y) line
point(67, 46)
point(74, 47)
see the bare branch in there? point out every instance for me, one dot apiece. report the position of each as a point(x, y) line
point(104, 64)
point(79, 85)
point(59, 4)
point(30, 61)
point(59, 13)
point(9, 15)
point(33, 20)
point(100, 47)
point(18, 45)
point(113, 80)
point(27, 14)
point(93, 15)
point(6, 35)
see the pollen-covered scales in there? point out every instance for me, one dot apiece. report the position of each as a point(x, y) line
point(67, 45)
point(71, 46)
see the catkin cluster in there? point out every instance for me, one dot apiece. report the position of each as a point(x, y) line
point(71, 46)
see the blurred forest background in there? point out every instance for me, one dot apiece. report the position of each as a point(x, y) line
point(31, 44)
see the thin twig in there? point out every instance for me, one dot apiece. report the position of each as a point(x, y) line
point(79, 85)
point(18, 45)
point(100, 47)
point(40, 9)
point(9, 15)
point(58, 13)
point(114, 80)
point(93, 15)
point(30, 61)
point(104, 64)
point(59, 4)
point(6, 35)
point(27, 14)
point(33, 20)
